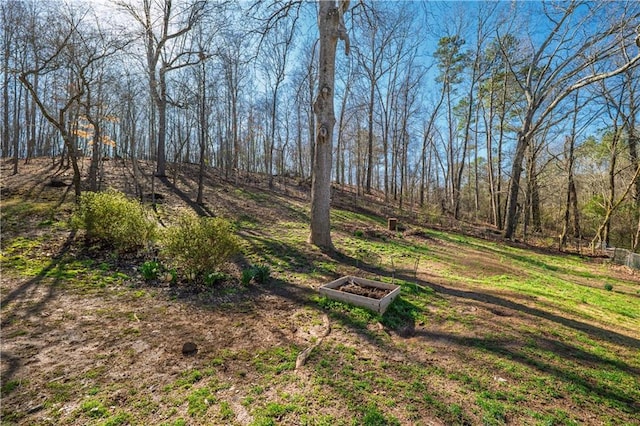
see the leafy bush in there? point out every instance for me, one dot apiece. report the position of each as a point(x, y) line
point(608, 287)
point(113, 219)
point(260, 274)
point(150, 270)
point(247, 276)
point(200, 244)
point(214, 278)
point(358, 233)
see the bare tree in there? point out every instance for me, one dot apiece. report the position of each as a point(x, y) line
point(564, 62)
point(278, 44)
point(164, 29)
point(70, 53)
point(11, 13)
point(475, 60)
point(331, 27)
point(233, 62)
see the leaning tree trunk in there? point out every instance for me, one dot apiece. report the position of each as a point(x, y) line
point(524, 136)
point(331, 27)
point(569, 195)
point(514, 187)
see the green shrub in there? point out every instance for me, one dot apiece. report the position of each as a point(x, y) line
point(112, 219)
point(150, 270)
point(200, 244)
point(608, 287)
point(247, 276)
point(358, 233)
point(259, 274)
point(214, 278)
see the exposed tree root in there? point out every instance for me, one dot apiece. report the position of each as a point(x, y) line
point(304, 355)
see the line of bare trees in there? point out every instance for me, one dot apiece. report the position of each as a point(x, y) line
point(520, 115)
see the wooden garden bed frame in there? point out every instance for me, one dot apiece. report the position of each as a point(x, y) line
point(376, 305)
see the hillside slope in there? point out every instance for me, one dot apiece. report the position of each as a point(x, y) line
point(483, 333)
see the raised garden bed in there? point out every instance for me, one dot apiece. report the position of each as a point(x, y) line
point(373, 295)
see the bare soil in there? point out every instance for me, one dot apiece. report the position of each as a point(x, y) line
point(364, 290)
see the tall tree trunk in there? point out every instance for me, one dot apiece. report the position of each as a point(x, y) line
point(234, 117)
point(5, 90)
point(339, 145)
point(17, 96)
point(451, 168)
point(272, 142)
point(533, 190)
point(571, 189)
point(370, 140)
point(299, 139)
point(514, 184)
point(499, 199)
point(425, 140)
point(634, 143)
point(331, 27)
point(31, 121)
point(490, 167)
point(606, 224)
point(202, 134)
point(570, 185)
point(312, 117)
point(161, 103)
point(467, 135)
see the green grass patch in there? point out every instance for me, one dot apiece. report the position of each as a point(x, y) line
point(94, 409)
point(276, 360)
point(9, 386)
point(118, 420)
point(372, 416)
point(187, 380)
point(271, 413)
point(199, 402)
point(226, 412)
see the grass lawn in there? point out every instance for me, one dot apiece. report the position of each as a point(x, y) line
point(484, 332)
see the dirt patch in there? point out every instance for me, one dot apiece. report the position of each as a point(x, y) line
point(364, 290)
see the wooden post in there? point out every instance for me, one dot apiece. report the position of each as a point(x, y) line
point(393, 224)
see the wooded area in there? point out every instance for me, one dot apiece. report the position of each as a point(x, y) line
point(522, 115)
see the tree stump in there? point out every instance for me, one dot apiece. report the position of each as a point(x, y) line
point(393, 224)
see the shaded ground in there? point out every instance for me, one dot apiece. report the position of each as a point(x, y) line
point(482, 334)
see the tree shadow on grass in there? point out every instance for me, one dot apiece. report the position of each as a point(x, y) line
point(509, 349)
point(592, 330)
point(201, 210)
point(17, 304)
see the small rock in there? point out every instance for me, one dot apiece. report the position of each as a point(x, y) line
point(189, 348)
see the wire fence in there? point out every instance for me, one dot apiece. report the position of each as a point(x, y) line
point(624, 257)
